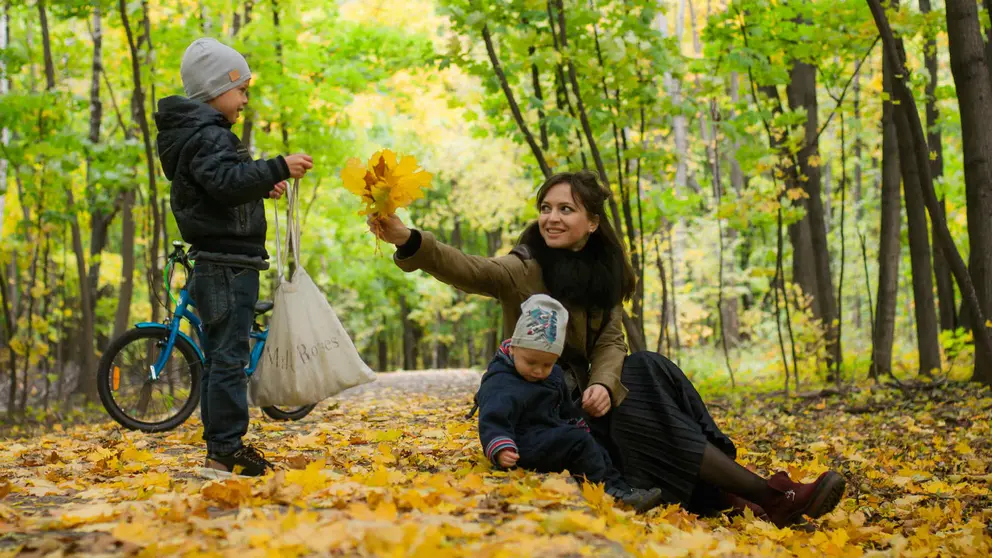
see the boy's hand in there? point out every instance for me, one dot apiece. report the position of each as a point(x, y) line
point(278, 190)
point(507, 458)
point(299, 164)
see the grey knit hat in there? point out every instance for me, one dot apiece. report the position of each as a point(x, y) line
point(541, 325)
point(210, 69)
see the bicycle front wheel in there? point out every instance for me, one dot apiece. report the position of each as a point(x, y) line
point(132, 397)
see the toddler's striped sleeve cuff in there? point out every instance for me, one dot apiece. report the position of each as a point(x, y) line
point(498, 443)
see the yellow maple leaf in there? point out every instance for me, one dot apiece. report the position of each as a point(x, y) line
point(573, 522)
point(386, 511)
point(378, 478)
point(137, 532)
point(595, 494)
point(472, 482)
point(386, 183)
point(559, 485)
point(229, 493)
point(963, 448)
point(87, 514)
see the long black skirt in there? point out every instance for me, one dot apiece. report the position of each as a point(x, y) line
point(658, 434)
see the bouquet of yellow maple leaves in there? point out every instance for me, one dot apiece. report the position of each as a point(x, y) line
point(386, 183)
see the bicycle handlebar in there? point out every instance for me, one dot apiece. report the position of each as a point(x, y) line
point(178, 255)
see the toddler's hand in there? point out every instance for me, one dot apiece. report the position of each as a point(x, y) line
point(507, 458)
point(278, 190)
point(299, 164)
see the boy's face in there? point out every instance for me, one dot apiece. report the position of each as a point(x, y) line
point(532, 364)
point(231, 104)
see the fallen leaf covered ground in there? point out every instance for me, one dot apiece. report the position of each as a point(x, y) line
point(394, 469)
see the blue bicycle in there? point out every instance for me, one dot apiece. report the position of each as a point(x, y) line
point(149, 377)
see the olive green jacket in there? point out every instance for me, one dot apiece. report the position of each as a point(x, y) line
point(512, 279)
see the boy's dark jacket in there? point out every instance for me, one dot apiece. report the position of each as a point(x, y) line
point(508, 404)
point(217, 190)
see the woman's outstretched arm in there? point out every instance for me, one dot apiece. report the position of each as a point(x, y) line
point(493, 277)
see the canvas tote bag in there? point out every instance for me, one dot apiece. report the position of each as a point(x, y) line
point(308, 355)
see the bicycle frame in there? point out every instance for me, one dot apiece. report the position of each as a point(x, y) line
point(183, 312)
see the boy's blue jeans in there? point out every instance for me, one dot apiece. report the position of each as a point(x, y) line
point(225, 298)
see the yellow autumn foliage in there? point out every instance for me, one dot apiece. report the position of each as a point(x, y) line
point(387, 183)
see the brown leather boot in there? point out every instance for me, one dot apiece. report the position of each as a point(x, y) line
point(736, 506)
point(794, 500)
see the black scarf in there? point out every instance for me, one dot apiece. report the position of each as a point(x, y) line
point(590, 278)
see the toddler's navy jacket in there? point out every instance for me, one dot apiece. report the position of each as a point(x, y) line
point(510, 405)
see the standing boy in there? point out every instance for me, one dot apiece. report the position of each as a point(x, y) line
point(216, 196)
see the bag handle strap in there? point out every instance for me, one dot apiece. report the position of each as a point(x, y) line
point(292, 229)
point(279, 262)
point(294, 216)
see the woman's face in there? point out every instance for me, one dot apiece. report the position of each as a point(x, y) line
point(564, 222)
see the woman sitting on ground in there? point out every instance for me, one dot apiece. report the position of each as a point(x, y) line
point(643, 408)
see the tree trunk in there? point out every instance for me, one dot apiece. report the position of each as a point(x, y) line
point(283, 129)
point(988, 42)
point(857, 194)
point(802, 270)
point(731, 303)
point(584, 120)
point(674, 289)
point(974, 90)
point(738, 182)
point(46, 46)
point(919, 250)
point(138, 113)
point(249, 114)
point(726, 306)
point(664, 345)
point(32, 344)
point(680, 132)
point(383, 352)
point(9, 331)
point(803, 265)
point(126, 292)
point(206, 23)
point(29, 334)
point(409, 338)
point(4, 90)
point(889, 246)
point(802, 93)
point(635, 335)
point(494, 239)
point(511, 100)
point(947, 306)
point(87, 287)
point(452, 349)
point(983, 339)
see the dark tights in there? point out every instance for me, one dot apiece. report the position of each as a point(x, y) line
point(728, 475)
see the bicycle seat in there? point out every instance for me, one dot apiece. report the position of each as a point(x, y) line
point(263, 306)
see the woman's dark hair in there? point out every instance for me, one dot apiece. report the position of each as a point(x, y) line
point(611, 263)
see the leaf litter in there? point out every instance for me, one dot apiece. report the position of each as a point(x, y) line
point(390, 470)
